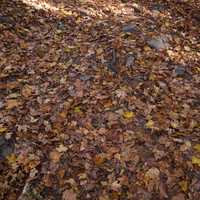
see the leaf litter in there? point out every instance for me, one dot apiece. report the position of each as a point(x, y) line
point(99, 99)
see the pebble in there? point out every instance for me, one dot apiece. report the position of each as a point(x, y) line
point(179, 71)
point(6, 147)
point(158, 43)
point(130, 60)
point(130, 28)
point(1, 104)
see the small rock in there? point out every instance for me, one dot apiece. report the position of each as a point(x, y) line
point(2, 140)
point(179, 71)
point(179, 196)
point(159, 7)
point(6, 147)
point(1, 104)
point(85, 77)
point(60, 25)
point(130, 28)
point(130, 60)
point(158, 43)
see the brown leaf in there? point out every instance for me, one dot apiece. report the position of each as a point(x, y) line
point(27, 90)
point(12, 103)
point(55, 156)
point(179, 196)
point(69, 195)
point(99, 159)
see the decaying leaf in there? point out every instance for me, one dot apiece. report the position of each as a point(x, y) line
point(99, 99)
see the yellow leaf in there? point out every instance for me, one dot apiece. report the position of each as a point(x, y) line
point(3, 129)
point(183, 185)
point(150, 124)
point(174, 124)
point(128, 115)
point(197, 147)
point(77, 109)
point(195, 160)
point(12, 159)
point(61, 148)
point(147, 48)
point(152, 77)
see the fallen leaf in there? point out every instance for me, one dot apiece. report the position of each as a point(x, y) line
point(55, 156)
point(179, 196)
point(77, 109)
point(27, 91)
point(128, 115)
point(195, 160)
point(116, 186)
point(69, 195)
point(150, 124)
point(197, 147)
point(12, 159)
point(153, 173)
point(99, 159)
point(183, 185)
point(61, 148)
point(12, 103)
point(2, 129)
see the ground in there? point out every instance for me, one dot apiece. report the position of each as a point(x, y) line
point(99, 100)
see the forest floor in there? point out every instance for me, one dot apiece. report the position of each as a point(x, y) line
point(99, 100)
